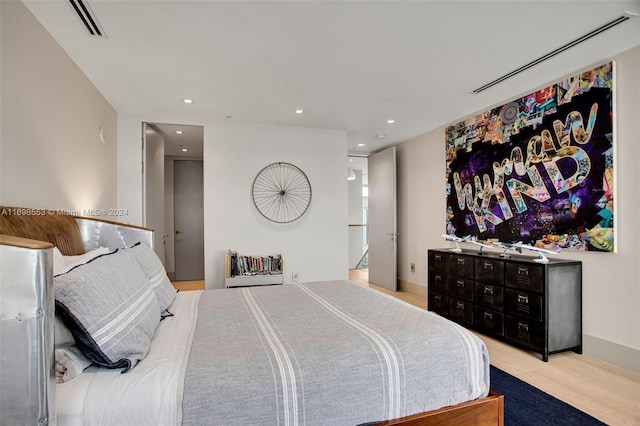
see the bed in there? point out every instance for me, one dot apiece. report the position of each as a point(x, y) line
point(328, 352)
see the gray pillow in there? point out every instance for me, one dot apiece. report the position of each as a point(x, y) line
point(154, 269)
point(110, 309)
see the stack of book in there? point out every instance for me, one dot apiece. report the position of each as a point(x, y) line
point(241, 265)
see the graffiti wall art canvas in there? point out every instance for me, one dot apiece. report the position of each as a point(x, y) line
point(538, 170)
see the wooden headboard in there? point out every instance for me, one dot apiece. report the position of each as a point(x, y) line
point(72, 235)
point(51, 226)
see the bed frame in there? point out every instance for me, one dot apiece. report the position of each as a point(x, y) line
point(27, 238)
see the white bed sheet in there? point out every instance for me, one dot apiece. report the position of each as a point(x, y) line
point(150, 394)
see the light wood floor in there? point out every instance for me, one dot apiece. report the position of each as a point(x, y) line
point(609, 393)
point(188, 285)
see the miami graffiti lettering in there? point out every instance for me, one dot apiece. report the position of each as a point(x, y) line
point(507, 175)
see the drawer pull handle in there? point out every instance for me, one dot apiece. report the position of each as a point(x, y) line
point(460, 262)
point(523, 270)
point(523, 326)
point(437, 277)
point(460, 284)
point(488, 266)
point(488, 290)
point(437, 298)
point(488, 315)
point(523, 298)
point(438, 257)
point(460, 305)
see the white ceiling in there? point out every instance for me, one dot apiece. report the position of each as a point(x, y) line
point(350, 65)
point(190, 138)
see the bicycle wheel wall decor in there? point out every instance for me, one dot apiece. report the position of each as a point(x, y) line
point(281, 192)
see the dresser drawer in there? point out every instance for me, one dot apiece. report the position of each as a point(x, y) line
point(522, 275)
point(438, 261)
point(491, 296)
point(438, 282)
point(489, 270)
point(525, 332)
point(461, 310)
point(523, 303)
point(439, 303)
point(461, 288)
point(488, 321)
point(461, 266)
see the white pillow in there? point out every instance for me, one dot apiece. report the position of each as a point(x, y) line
point(61, 334)
point(70, 363)
point(63, 264)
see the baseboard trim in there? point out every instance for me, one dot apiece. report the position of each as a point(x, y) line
point(412, 288)
point(612, 353)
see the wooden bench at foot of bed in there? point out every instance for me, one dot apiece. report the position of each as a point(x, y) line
point(485, 411)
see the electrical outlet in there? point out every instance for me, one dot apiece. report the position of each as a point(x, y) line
point(294, 277)
point(413, 267)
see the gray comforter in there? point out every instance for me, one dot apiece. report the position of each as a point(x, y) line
point(324, 353)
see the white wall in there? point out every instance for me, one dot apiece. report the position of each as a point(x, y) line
point(315, 246)
point(611, 282)
point(51, 154)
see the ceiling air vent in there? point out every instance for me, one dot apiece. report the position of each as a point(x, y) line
point(85, 14)
point(557, 51)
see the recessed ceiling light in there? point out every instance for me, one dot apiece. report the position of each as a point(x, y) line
point(187, 101)
point(361, 144)
point(184, 149)
point(299, 111)
point(391, 121)
point(350, 160)
point(178, 132)
point(381, 136)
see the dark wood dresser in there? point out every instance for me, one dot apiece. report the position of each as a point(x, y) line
point(537, 306)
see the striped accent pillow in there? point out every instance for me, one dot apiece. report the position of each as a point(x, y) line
point(154, 269)
point(110, 309)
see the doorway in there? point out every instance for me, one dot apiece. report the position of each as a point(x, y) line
point(153, 144)
point(383, 231)
point(188, 211)
point(358, 181)
point(176, 142)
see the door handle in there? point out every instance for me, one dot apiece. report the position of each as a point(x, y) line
point(164, 238)
point(393, 235)
point(179, 232)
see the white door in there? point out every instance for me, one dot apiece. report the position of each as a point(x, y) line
point(153, 185)
point(188, 187)
point(382, 219)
